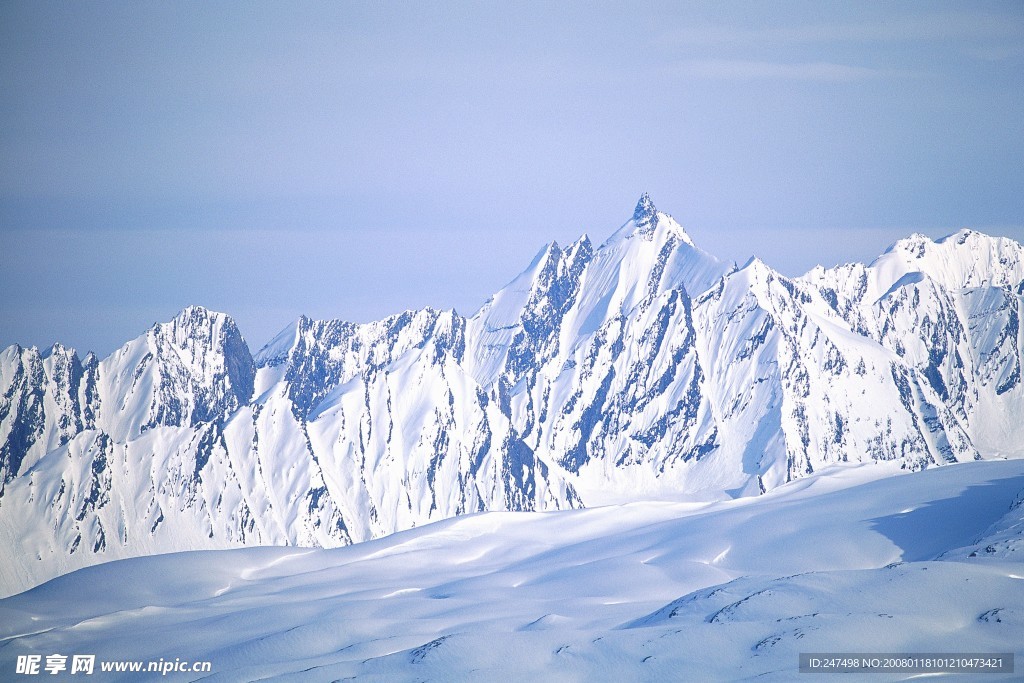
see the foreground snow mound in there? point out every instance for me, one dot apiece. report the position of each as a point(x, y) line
point(851, 560)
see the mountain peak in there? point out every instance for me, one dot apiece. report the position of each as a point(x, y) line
point(645, 210)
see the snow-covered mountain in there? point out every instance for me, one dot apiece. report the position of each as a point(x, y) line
point(641, 368)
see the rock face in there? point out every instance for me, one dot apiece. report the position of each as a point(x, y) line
point(640, 368)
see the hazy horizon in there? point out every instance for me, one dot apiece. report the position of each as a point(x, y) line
point(353, 161)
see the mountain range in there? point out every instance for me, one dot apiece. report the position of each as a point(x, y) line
point(639, 369)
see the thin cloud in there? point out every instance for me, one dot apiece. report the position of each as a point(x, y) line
point(739, 69)
point(998, 53)
point(922, 28)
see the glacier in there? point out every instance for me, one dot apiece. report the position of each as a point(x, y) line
point(639, 369)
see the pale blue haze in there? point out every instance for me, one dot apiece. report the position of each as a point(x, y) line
point(354, 160)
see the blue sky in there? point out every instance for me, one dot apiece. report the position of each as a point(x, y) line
point(350, 160)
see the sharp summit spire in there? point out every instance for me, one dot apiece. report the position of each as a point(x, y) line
point(645, 209)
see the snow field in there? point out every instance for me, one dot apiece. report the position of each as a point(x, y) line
point(853, 559)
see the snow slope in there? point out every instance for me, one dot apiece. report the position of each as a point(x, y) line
point(855, 559)
point(639, 369)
